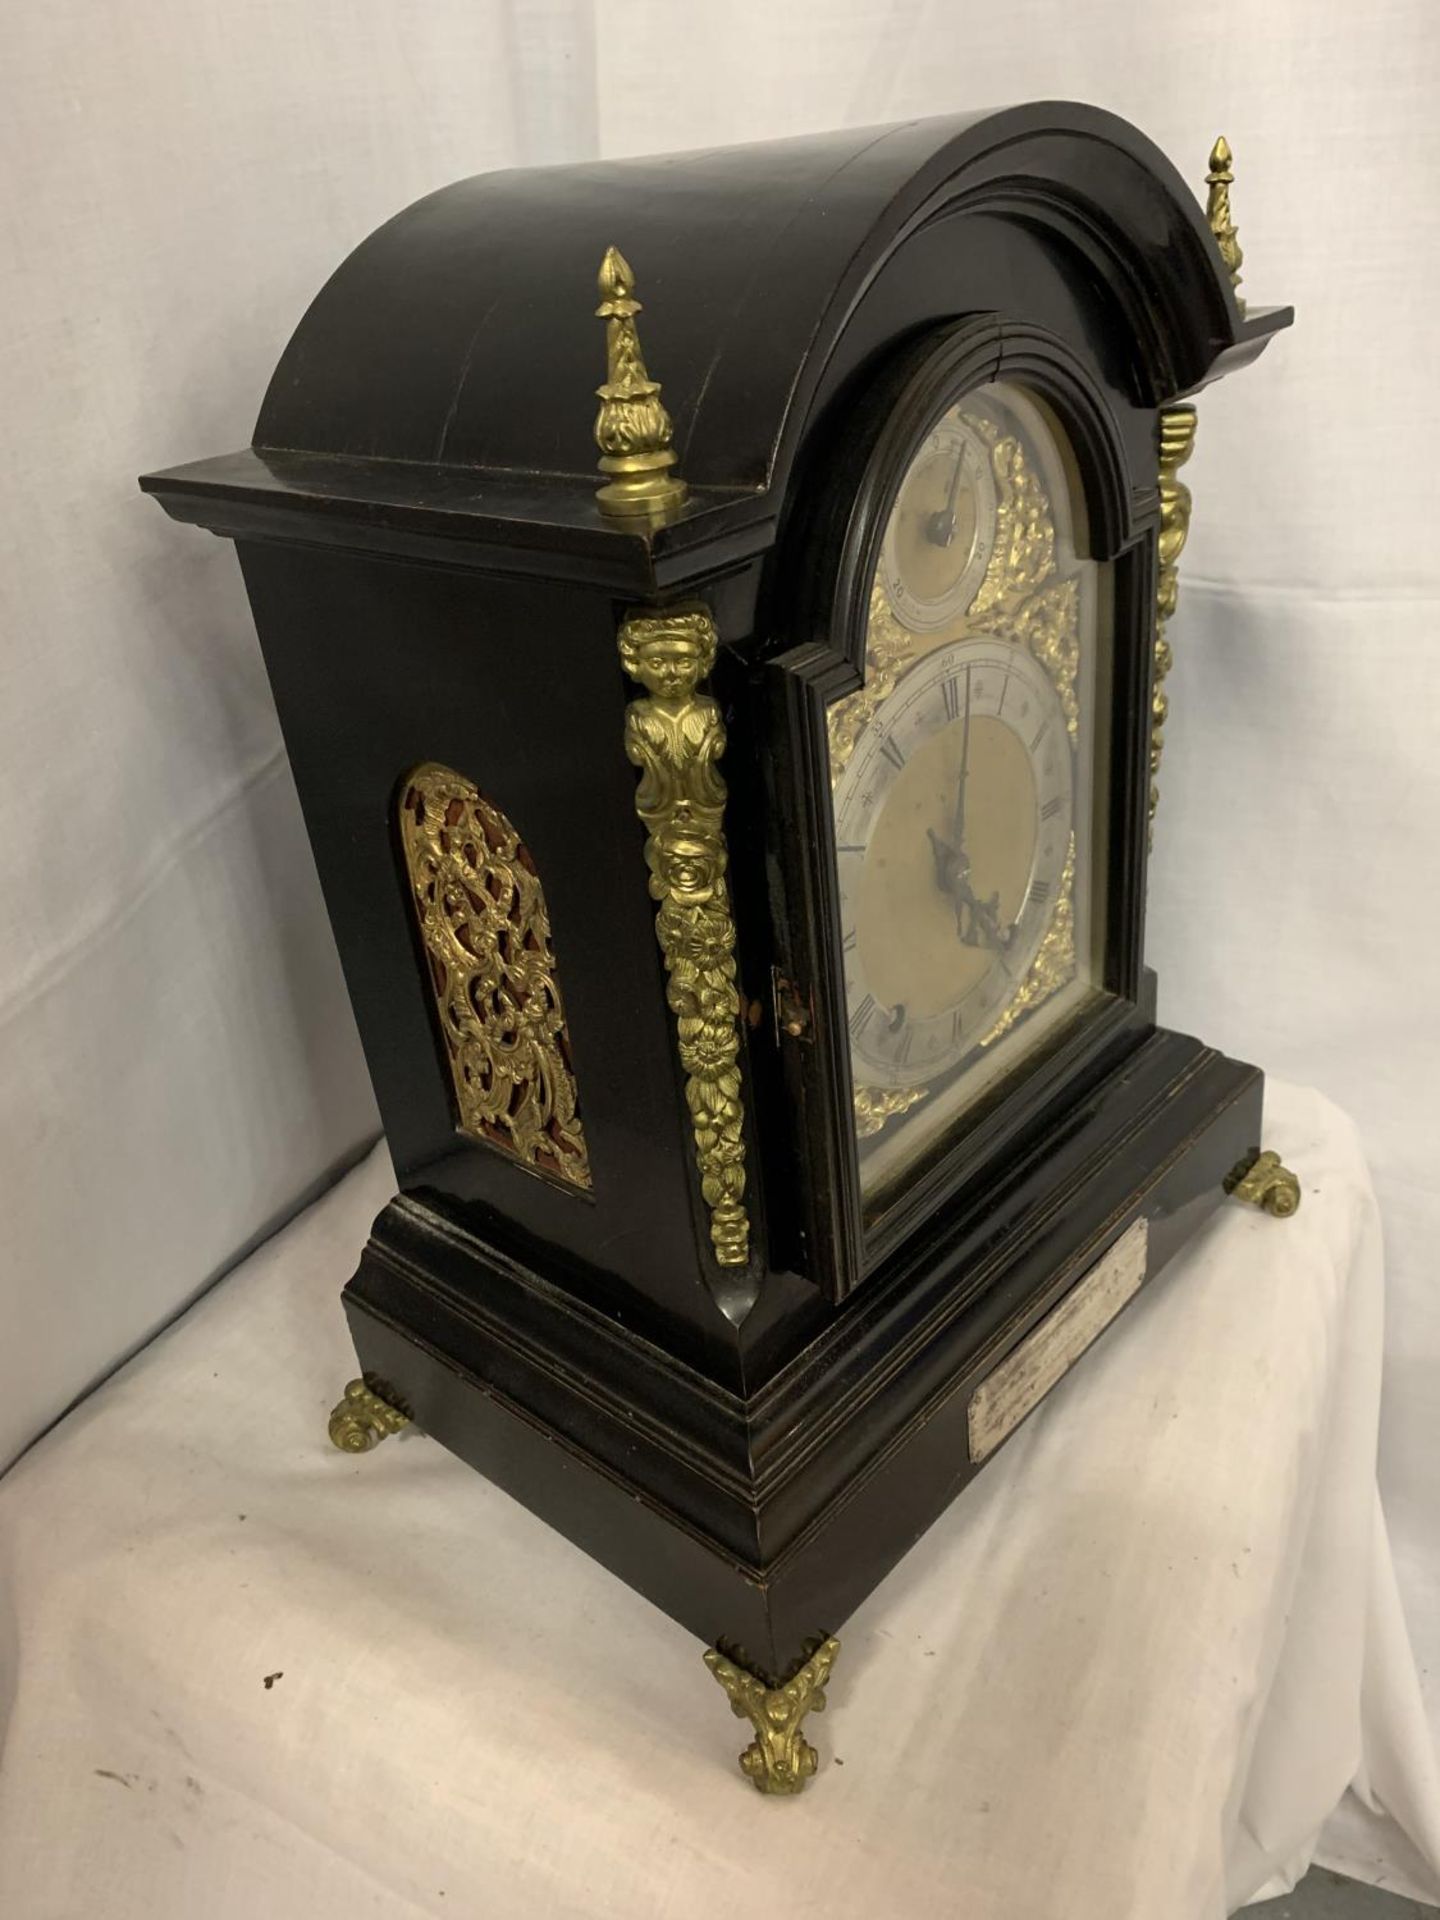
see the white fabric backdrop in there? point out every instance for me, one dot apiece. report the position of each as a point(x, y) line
point(177, 1065)
point(1124, 1677)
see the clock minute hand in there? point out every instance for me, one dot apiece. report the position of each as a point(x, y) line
point(952, 865)
point(958, 831)
point(977, 921)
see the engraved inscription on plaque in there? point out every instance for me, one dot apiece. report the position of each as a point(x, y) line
point(1046, 1355)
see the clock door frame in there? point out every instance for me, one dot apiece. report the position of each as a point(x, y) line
point(824, 569)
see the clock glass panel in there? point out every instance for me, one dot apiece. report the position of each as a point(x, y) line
point(965, 791)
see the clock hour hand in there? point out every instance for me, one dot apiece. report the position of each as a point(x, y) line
point(944, 856)
point(977, 921)
point(985, 928)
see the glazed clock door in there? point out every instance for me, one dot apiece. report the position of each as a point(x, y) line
point(963, 782)
point(959, 897)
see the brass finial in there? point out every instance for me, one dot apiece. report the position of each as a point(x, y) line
point(632, 429)
point(1220, 179)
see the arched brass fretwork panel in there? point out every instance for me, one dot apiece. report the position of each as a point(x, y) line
point(482, 917)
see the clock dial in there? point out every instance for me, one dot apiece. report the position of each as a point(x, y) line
point(953, 822)
point(964, 780)
point(942, 530)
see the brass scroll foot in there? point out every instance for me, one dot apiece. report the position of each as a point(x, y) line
point(1265, 1182)
point(362, 1419)
point(778, 1759)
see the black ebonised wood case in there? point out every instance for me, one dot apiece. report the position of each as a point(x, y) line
point(432, 581)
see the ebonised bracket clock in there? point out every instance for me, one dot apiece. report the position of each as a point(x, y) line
point(739, 866)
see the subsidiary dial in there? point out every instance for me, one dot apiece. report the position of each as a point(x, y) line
point(942, 530)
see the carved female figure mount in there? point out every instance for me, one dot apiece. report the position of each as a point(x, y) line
point(675, 737)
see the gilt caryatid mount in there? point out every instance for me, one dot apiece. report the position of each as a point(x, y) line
point(675, 736)
point(1176, 444)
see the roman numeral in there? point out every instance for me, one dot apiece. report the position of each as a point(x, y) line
point(861, 1014)
point(956, 1023)
point(1044, 729)
point(847, 945)
point(1051, 808)
point(891, 751)
point(952, 698)
point(1039, 893)
point(843, 848)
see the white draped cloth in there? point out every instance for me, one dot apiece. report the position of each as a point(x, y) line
point(1130, 1672)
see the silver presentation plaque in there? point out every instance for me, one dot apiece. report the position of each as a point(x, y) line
point(1047, 1353)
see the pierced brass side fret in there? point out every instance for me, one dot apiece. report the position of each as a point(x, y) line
point(486, 933)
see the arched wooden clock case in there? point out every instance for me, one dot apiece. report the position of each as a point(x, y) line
point(631, 1274)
